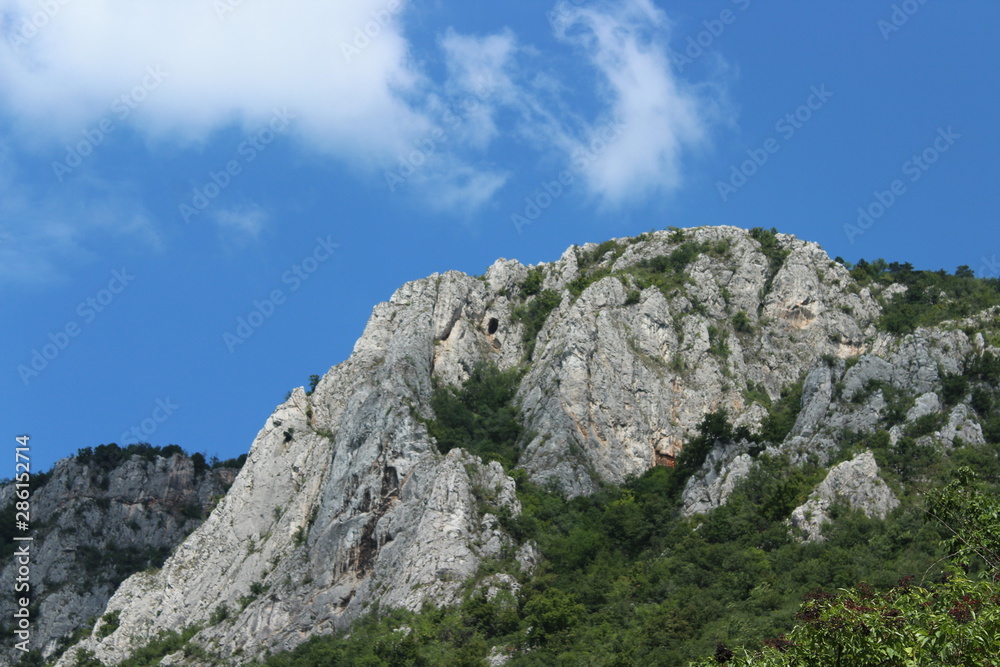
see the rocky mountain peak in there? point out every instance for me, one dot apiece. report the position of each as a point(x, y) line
point(623, 347)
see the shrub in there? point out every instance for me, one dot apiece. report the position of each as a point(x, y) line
point(742, 323)
point(582, 282)
point(717, 343)
point(192, 510)
point(908, 458)
point(782, 415)
point(931, 296)
point(925, 425)
point(954, 388)
point(948, 623)
point(551, 612)
point(109, 623)
point(982, 401)
point(985, 368)
point(199, 462)
point(666, 272)
point(237, 463)
point(533, 315)
point(481, 416)
point(165, 643)
point(596, 256)
point(219, 614)
point(533, 282)
point(769, 245)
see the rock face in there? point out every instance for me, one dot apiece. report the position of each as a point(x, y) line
point(855, 483)
point(839, 399)
point(94, 525)
point(345, 500)
point(622, 385)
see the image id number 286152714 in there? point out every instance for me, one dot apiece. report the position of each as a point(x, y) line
point(22, 554)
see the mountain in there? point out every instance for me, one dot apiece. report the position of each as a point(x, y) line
point(99, 517)
point(693, 358)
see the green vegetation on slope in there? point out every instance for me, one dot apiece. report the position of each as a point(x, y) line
point(668, 272)
point(105, 458)
point(625, 581)
point(931, 297)
point(533, 315)
point(953, 620)
point(480, 416)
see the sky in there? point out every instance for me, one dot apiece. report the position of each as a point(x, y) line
point(201, 201)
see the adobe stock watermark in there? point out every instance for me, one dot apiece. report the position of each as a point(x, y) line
point(121, 108)
point(425, 147)
point(787, 126)
point(247, 151)
point(31, 26)
point(363, 36)
point(913, 169)
point(900, 16)
point(163, 409)
point(550, 190)
point(697, 45)
point(990, 267)
point(294, 277)
point(223, 8)
point(86, 311)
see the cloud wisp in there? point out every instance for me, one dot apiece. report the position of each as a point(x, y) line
point(360, 94)
point(626, 44)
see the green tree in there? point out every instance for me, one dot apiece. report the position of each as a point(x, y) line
point(954, 622)
point(550, 613)
point(481, 416)
point(533, 315)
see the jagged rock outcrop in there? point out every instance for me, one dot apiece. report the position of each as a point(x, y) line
point(840, 399)
point(93, 525)
point(621, 386)
point(345, 500)
point(857, 484)
point(725, 466)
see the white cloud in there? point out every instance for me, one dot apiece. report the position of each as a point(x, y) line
point(479, 81)
point(217, 70)
point(463, 189)
point(243, 220)
point(180, 70)
point(651, 116)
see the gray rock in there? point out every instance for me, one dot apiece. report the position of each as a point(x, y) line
point(926, 404)
point(817, 392)
point(962, 426)
point(345, 500)
point(855, 483)
point(87, 518)
point(725, 466)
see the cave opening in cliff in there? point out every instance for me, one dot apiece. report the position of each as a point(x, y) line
point(493, 325)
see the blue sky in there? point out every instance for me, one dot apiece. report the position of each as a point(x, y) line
point(167, 169)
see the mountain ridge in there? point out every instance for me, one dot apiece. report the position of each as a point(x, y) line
point(345, 501)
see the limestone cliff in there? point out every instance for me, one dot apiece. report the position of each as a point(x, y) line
point(96, 522)
point(345, 501)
